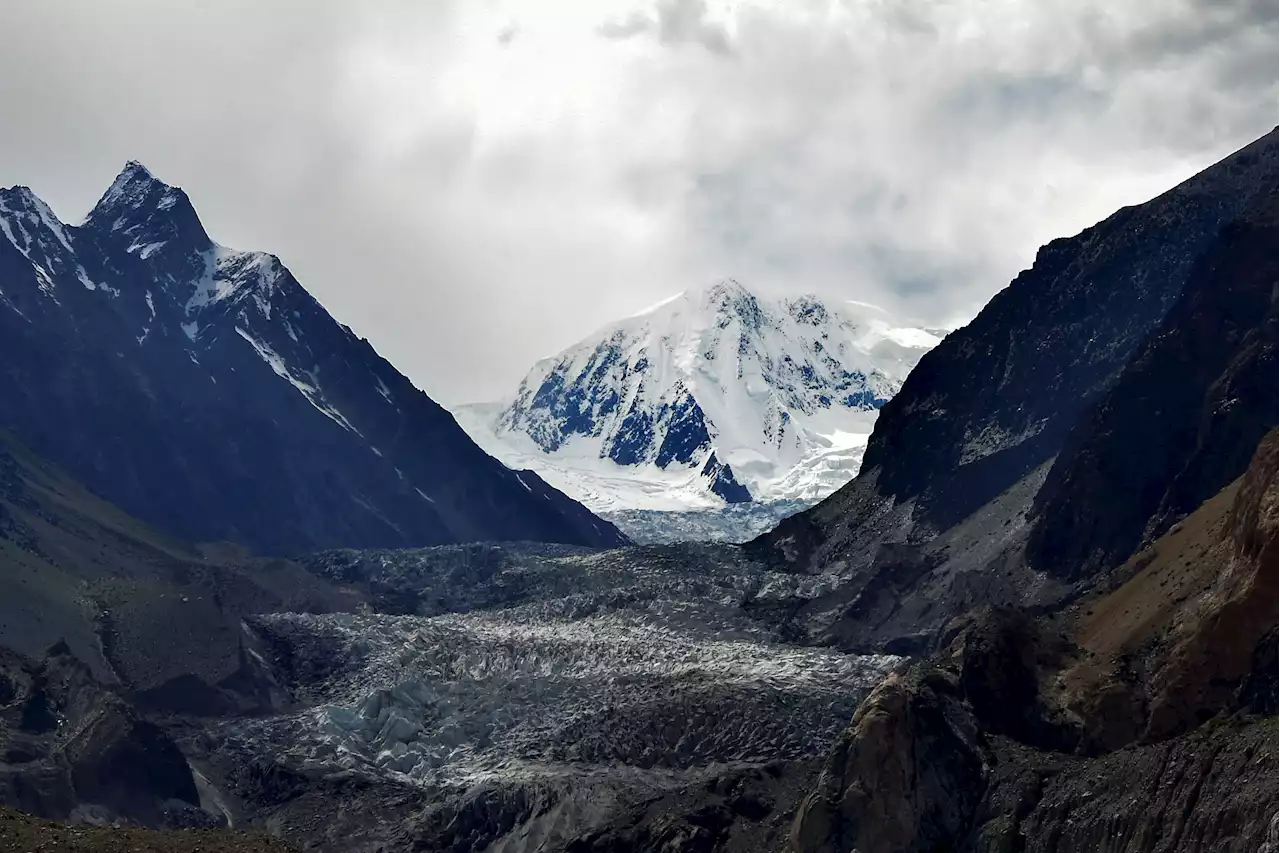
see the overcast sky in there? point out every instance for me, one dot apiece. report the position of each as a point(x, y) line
point(473, 186)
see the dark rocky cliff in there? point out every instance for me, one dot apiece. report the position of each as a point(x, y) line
point(1135, 710)
point(998, 397)
point(73, 747)
point(1166, 307)
point(203, 390)
point(1140, 719)
point(1182, 420)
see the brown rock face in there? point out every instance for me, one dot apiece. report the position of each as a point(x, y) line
point(1128, 723)
point(1193, 622)
point(906, 776)
point(1212, 648)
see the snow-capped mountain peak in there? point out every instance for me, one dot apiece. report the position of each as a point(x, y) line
point(226, 402)
point(165, 244)
point(141, 205)
point(718, 393)
point(128, 191)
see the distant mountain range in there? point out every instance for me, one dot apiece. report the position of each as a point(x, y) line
point(203, 390)
point(716, 396)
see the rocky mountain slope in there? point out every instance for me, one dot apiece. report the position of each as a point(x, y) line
point(140, 608)
point(1142, 718)
point(1198, 395)
point(19, 831)
point(74, 749)
point(108, 629)
point(1129, 703)
point(203, 390)
point(716, 396)
point(963, 466)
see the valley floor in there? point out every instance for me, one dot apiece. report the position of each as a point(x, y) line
point(553, 694)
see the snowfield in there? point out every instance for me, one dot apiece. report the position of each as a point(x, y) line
point(714, 396)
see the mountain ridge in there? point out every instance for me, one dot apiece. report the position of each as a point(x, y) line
point(1080, 556)
point(938, 518)
point(218, 383)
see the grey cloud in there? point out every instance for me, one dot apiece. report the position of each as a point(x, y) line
point(1202, 24)
point(681, 21)
point(633, 25)
point(998, 97)
point(473, 192)
point(508, 34)
point(909, 17)
point(1002, 146)
point(675, 22)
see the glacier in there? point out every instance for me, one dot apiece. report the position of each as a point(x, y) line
point(536, 693)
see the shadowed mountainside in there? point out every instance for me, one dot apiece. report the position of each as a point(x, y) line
point(203, 390)
point(1035, 420)
point(140, 608)
point(1140, 719)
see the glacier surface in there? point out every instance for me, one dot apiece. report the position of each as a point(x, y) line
point(588, 677)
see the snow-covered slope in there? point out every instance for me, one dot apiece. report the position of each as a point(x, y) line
point(715, 396)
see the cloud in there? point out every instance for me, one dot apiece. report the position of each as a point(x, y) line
point(508, 34)
point(474, 187)
point(674, 22)
point(633, 25)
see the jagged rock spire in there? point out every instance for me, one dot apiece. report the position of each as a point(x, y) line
point(148, 210)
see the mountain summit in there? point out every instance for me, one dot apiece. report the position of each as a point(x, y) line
point(717, 395)
point(202, 389)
